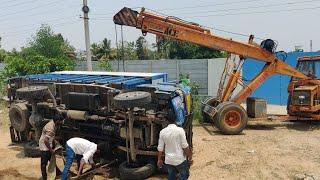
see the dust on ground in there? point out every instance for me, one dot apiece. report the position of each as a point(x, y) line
point(265, 150)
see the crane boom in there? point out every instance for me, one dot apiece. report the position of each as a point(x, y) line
point(185, 31)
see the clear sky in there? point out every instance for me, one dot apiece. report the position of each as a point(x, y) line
point(290, 22)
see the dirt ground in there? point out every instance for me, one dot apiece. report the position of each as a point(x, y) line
point(265, 150)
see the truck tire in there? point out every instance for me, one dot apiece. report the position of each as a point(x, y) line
point(32, 92)
point(231, 118)
point(31, 149)
point(19, 117)
point(143, 172)
point(132, 99)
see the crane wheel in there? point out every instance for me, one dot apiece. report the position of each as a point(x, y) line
point(231, 118)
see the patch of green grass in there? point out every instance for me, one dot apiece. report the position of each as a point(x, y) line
point(197, 117)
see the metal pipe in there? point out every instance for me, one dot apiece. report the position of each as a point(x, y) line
point(77, 115)
point(131, 137)
point(152, 134)
point(127, 143)
point(53, 98)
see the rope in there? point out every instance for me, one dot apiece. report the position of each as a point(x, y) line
point(115, 28)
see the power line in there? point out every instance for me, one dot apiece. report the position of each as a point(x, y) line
point(16, 4)
point(34, 23)
point(32, 29)
point(254, 12)
point(187, 7)
point(99, 19)
point(20, 3)
point(29, 9)
point(250, 7)
point(208, 5)
point(35, 14)
point(101, 16)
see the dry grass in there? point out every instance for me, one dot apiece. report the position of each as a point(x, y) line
point(4, 120)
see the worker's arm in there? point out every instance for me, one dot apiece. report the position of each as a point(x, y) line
point(80, 168)
point(47, 143)
point(87, 158)
point(185, 146)
point(188, 153)
point(160, 160)
point(160, 151)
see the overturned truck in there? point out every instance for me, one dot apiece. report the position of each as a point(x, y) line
point(124, 111)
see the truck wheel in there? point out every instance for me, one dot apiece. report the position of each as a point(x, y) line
point(231, 118)
point(131, 172)
point(31, 149)
point(132, 99)
point(19, 117)
point(32, 92)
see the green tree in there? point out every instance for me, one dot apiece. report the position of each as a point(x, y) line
point(173, 49)
point(3, 55)
point(128, 52)
point(50, 45)
point(141, 48)
point(105, 65)
point(103, 50)
point(46, 52)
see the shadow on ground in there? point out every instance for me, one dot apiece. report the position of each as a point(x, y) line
point(268, 125)
point(13, 174)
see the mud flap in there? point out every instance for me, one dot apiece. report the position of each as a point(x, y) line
point(209, 110)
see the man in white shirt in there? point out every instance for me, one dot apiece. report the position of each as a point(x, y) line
point(178, 156)
point(81, 149)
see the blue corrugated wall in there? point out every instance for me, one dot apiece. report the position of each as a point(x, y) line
point(274, 90)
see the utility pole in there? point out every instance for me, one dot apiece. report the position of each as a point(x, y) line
point(85, 10)
point(310, 45)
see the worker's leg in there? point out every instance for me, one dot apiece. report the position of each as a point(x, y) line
point(58, 171)
point(172, 172)
point(69, 159)
point(183, 170)
point(45, 157)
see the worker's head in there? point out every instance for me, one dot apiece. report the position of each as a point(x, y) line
point(100, 149)
point(171, 117)
point(58, 118)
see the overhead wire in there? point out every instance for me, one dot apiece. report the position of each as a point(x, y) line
point(57, 12)
point(17, 4)
point(29, 9)
point(208, 5)
point(254, 12)
point(32, 29)
point(251, 7)
point(102, 15)
point(39, 22)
